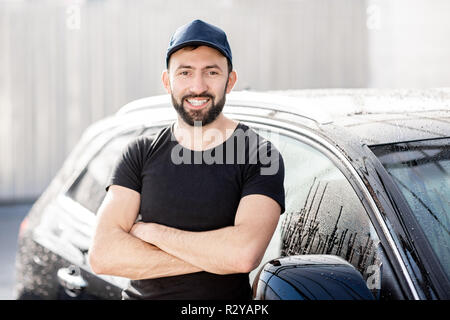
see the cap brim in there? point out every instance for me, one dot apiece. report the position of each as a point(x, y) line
point(195, 43)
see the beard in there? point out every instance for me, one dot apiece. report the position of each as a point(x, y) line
point(204, 116)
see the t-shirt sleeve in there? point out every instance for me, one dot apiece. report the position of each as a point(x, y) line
point(266, 176)
point(127, 169)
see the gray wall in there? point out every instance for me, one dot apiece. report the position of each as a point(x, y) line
point(62, 71)
point(66, 64)
point(409, 45)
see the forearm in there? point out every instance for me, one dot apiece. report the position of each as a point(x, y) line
point(233, 249)
point(221, 251)
point(118, 253)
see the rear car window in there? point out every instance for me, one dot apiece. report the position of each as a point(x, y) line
point(89, 188)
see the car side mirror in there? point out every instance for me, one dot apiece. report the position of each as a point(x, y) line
point(310, 277)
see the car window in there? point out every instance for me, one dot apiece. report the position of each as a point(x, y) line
point(323, 213)
point(89, 188)
point(421, 171)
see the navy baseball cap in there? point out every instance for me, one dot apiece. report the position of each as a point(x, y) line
point(199, 33)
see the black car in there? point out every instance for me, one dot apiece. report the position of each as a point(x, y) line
point(367, 197)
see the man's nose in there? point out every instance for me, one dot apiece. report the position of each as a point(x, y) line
point(198, 84)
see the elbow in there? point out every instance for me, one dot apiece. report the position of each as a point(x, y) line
point(96, 262)
point(247, 263)
point(249, 266)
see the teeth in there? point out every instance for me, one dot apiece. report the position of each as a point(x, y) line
point(197, 102)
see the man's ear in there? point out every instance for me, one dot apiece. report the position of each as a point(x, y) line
point(232, 78)
point(166, 81)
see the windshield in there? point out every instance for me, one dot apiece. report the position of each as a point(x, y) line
point(421, 170)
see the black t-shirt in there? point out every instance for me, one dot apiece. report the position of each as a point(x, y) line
point(197, 191)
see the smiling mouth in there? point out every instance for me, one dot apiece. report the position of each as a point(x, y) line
point(197, 103)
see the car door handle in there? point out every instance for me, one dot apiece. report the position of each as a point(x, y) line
point(70, 278)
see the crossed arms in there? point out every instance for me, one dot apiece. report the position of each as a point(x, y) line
point(132, 250)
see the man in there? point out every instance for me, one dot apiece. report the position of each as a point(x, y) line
point(205, 224)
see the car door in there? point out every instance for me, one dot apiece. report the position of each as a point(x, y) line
point(324, 214)
point(77, 206)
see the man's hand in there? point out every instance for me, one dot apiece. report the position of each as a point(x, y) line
point(140, 230)
point(147, 231)
point(234, 249)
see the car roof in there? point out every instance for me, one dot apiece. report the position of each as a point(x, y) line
point(377, 116)
point(368, 116)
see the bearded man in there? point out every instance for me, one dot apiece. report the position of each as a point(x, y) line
point(205, 225)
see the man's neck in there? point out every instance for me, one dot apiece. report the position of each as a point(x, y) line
point(200, 137)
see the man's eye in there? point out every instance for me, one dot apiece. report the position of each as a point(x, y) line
point(184, 73)
point(213, 73)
